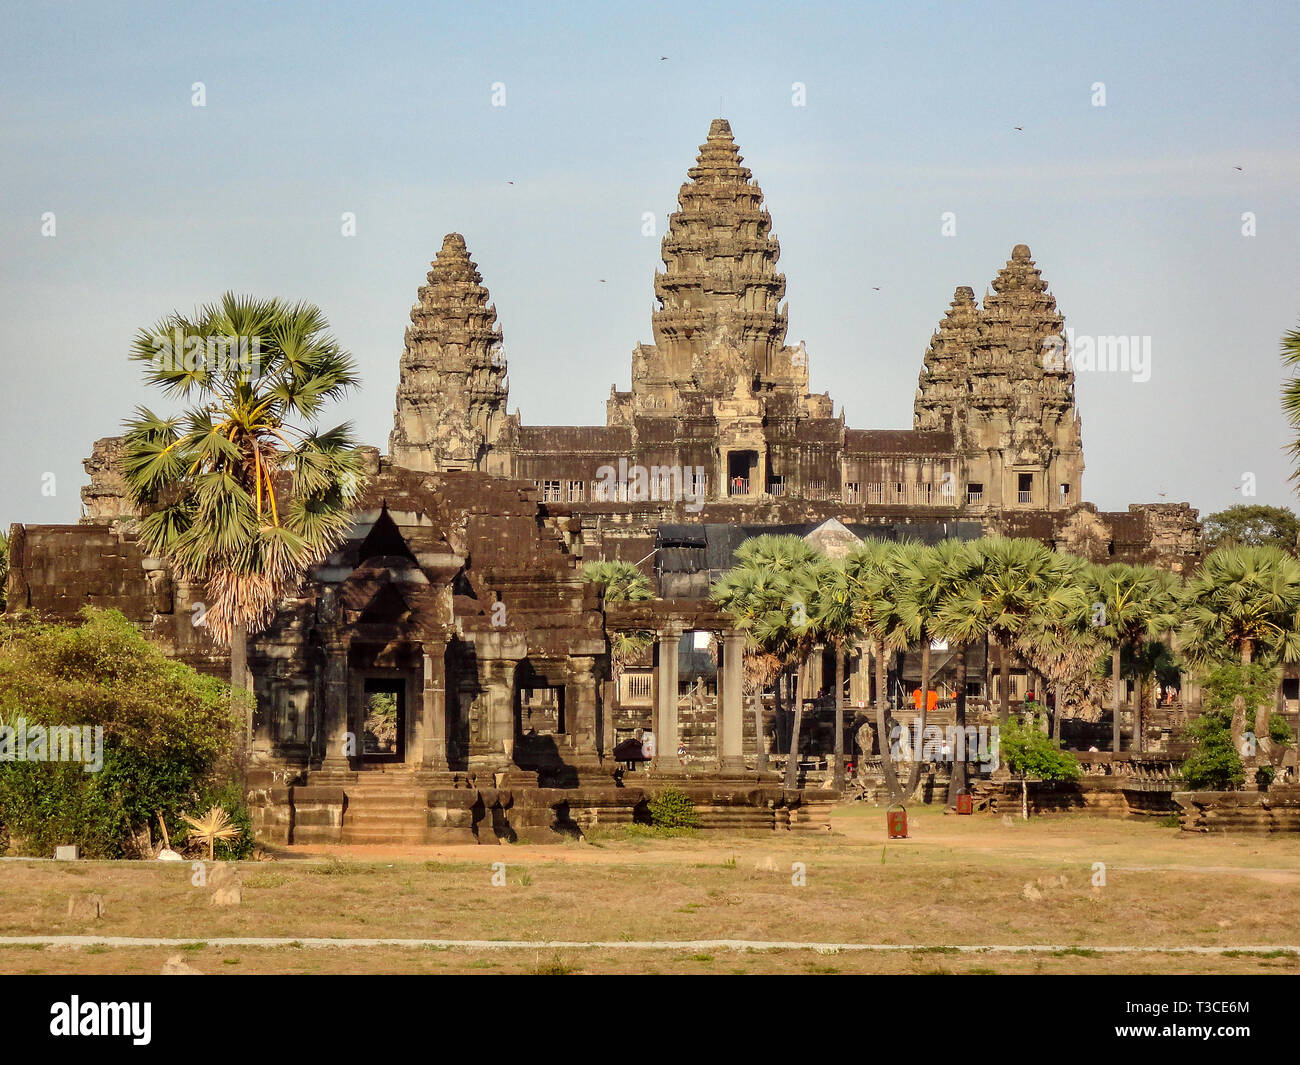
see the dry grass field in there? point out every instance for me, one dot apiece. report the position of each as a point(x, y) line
point(955, 882)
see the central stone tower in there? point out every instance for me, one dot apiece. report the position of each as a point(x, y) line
point(719, 329)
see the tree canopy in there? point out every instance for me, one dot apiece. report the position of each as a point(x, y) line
point(1253, 525)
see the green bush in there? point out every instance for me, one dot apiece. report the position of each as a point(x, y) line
point(673, 808)
point(1255, 683)
point(1027, 751)
point(1214, 764)
point(169, 737)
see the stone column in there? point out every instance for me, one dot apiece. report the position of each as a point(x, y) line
point(666, 722)
point(581, 707)
point(433, 717)
point(499, 680)
point(336, 761)
point(860, 685)
point(731, 699)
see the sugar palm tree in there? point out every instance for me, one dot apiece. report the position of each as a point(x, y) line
point(1129, 605)
point(869, 570)
point(621, 582)
point(1291, 393)
point(1006, 587)
point(930, 579)
point(212, 828)
point(1059, 641)
point(241, 492)
point(906, 618)
point(768, 591)
point(1151, 663)
point(834, 616)
point(756, 599)
point(1243, 602)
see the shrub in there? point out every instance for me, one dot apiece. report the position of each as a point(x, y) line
point(169, 736)
point(672, 808)
point(1027, 751)
point(1255, 683)
point(1214, 764)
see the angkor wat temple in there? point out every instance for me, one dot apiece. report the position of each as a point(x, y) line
point(451, 641)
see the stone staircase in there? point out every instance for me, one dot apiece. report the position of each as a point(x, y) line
point(385, 807)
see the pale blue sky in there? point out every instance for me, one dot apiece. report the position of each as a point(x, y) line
point(1132, 210)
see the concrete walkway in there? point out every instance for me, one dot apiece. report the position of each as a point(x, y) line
point(669, 944)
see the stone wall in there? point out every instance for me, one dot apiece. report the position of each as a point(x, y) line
point(315, 814)
point(1096, 795)
point(1274, 810)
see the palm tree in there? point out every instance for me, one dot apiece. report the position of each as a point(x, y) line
point(755, 597)
point(1243, 602)
point(235, 496)
point(1150, 663)
point(931, 578)
point(621, 582)
point(835, 618)
point(1059, 642)
point(212, 828)
point(1130, 604)
point(869, 569)
point(770, 597)
point(1007, 586)
point(1291, 393)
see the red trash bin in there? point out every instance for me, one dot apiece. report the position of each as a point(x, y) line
point(896, 821)
point(965, 803)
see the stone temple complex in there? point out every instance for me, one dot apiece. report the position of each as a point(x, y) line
point(447, 673)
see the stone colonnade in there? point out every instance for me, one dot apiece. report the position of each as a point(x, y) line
point(731, 700)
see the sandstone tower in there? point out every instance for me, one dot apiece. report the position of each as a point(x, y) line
point(451, 397)
point(719, 329)
point(711, 388)
point(1010, 410)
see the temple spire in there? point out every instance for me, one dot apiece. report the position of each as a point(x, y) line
point(720, 315)
point(451, 397)
point(943, 385)
point(720, 258)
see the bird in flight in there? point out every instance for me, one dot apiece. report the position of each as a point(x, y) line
point(1236, 168)
point(1020, 128)
point(662, 58)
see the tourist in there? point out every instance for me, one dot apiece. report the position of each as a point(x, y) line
point(648, 745)
point(681, 752)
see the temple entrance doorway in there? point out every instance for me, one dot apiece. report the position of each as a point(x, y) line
point(742, 473)
point(384, 727)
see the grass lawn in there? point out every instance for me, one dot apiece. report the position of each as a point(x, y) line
point(956, 881)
